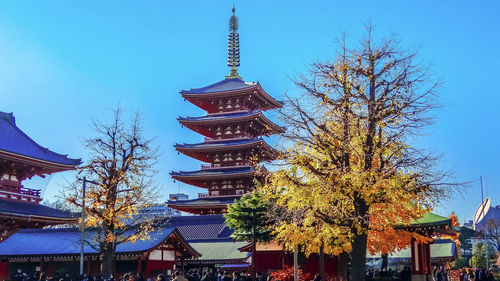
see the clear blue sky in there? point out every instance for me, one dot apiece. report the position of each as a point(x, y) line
point(65, 62)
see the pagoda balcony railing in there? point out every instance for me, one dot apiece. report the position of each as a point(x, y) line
point(206, 166)
point(20, 190)
point(217, 166)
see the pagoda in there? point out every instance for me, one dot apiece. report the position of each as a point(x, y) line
point(233, 131)
point(22, 158)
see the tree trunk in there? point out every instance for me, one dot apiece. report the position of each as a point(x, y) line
point(358, 258)
point(385, 262)
point(107, 254)
point(322, 262)
point(342, 264)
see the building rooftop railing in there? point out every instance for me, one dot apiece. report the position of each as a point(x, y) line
point(21, 190)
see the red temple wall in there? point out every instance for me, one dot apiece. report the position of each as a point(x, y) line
point(155, 267)
point(4, 271)
point(269, 261)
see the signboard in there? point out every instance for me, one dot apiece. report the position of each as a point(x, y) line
point(481, 211)
point(454, 275)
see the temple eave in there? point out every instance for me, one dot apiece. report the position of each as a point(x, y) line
point(200, 210)
point(220, 146)
point(210, 177)
point(50, 167)
point(256, 89)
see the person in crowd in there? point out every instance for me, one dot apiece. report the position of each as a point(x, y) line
point(260, 276)
point(179, 277)
point(317, 277)
point(237, 276)
point(205, 276)
point(439, 275)
point(43, 276)
point(26, 277)
point(463, 275)
point(470, 274)
point(125, 277)
point(248, 276)
point(138, 276)
point(227, 276)
point(478, 274)
point(220, 275)
point(18, 276)
point(160, 277)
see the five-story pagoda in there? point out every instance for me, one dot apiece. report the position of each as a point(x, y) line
point(233, 129)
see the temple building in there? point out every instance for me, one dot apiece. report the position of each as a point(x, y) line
point(233, 131)
point(181, 243)
point(22, 158)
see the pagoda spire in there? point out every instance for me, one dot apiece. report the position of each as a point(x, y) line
point(233, 47)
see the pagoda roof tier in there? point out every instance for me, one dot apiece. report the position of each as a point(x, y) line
point(201, 124)
point(229, 87)
point(18, 147)
point(199, 177)
point(204, 205)
point(198, 150)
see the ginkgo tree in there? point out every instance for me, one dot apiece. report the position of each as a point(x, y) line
point(351, 169)
point(119, 172)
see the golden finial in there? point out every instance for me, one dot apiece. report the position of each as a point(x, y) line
point(233, 48)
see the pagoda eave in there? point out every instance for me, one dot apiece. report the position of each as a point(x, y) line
point(219, 146)
point(257, 90)
point(201, 181)
point(45, 167)
point(201, 210)
point(18, 219)
point(199, 151)
point(204, 205)
point(210, 177)
point(199, 124)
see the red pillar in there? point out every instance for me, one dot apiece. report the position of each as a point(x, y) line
point(139, 264)
point(420, 259)
point(4, 271)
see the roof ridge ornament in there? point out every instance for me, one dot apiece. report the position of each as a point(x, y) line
point(233, 46)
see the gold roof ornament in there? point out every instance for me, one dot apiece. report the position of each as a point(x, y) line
point(233, 47)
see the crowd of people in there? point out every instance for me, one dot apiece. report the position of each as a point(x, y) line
point(191, 275)
point(466, 274)
point(402, 275)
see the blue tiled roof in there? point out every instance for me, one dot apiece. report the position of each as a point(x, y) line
point(17, 208)
point(66, 241)
point(219, 116)
point(219, 143)
point(214, 172)
point(204, 228)
point(13, 140)
point(221, 86)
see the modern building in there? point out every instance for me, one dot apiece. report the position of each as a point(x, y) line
point(233, 131)
point(22, 158)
